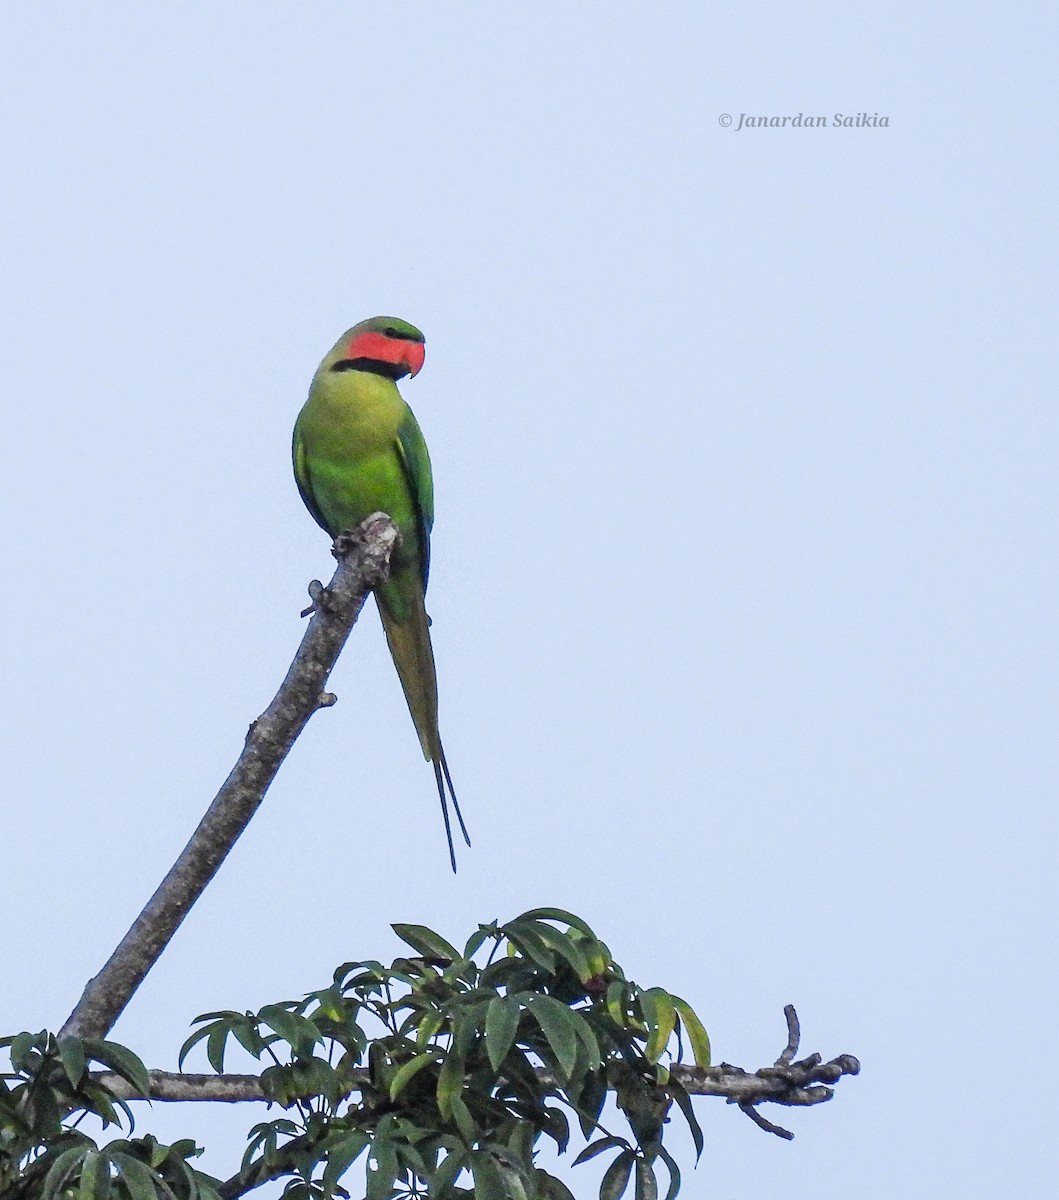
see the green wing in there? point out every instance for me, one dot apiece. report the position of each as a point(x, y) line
point(412, 451)
point(301, 475)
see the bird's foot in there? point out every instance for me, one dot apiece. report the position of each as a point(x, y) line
point(347, 542)
point(376, 532)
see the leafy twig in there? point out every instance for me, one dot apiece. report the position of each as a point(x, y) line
point(807, 1082)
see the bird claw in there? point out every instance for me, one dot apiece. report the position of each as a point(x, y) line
point(346, 542)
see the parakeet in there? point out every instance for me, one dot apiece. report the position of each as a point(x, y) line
point(358, 449)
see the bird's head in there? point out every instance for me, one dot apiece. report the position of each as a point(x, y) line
point(385, 345)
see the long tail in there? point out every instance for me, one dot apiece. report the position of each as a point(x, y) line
point(413, 656)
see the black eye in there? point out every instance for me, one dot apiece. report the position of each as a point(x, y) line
point(390, 331)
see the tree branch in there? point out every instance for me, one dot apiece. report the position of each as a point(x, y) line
point(798, 1083)
point(363, 562)
point(808, 1081)
point(801, 1083)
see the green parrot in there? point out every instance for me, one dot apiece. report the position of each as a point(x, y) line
point(358, 449)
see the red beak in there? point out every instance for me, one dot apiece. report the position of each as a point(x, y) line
point(416, 352)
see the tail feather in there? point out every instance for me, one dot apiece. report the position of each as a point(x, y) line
point(455, 802)
point(409, 642)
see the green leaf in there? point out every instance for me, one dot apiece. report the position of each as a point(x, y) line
point(488, 1181)
point(121, 1060)
point(552, 1188)
point(247, 1035)
point(478, 939)
point(594, 1148)
point(521, 1140)
point(590, 1042)
point(566, 947)
point(674, 1172)
point(516, 1186)
point(525, 938)
point(660, 1017)
point(465, 1029)
point(139, 1180)
point(618, 1002)
point(408, 1154)
point(330, 1001)
point(557, 914)
point(679, 1093)
point(296, 1030)
point(426, 942)
point(382, 1169)
point(22, 1047)
point(429, 1025)
point(256, 1138)
point(501, 1025)
point(102, 1106)
point(341, 1155)
point(72, 1057)
point(190, 1043)
point(560, 1026)
point(461, 1114)
point(215, 1044)
point(450, 1081)
point(591, 1100)
point(61, 1170)
point(646, 1184)
point(557, 1128)
point(95, 1177)
point(445, 1175)
point(616, 1176)
point(406, 1070)
point(700, 1043)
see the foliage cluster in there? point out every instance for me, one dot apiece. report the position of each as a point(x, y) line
point(444, 1070)
point(47, 1092)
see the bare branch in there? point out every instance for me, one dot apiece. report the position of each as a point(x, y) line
point(178, 1087)
point(798, 1083)
point(363, 562)
point(794, 1036)
point(765, 1124)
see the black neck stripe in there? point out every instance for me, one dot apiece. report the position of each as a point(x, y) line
point(375, 365)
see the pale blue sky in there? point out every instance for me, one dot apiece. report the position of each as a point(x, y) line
point(744, 577)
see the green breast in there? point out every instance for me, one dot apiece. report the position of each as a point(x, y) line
point(348, 429)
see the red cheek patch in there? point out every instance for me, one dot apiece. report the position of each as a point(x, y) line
point(377, 346)
point(399, 351)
